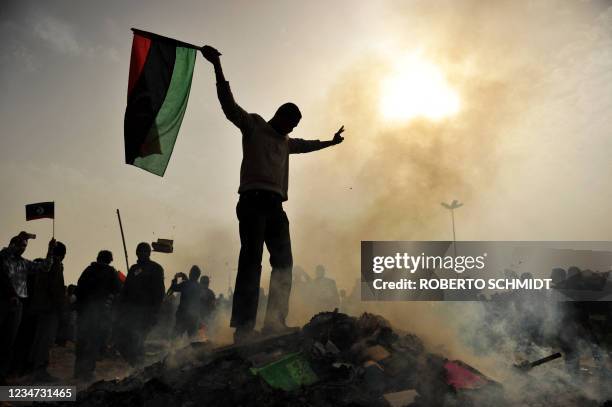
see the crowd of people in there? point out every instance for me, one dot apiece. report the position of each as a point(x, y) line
point(311, 295)
point(109, 314)
point(104, 312)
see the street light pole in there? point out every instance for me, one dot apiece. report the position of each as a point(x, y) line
point(451, 207)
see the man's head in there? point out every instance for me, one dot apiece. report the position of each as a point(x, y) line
point(558, 275)
point(59, 251)
point(18, 245)
point(320, 271)
point(205, 281)
point(572, 271)
point(286, 118)
point(143, 251)
point(194, 273)
point(105, 257)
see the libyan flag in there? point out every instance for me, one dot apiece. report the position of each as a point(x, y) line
point(158, 89)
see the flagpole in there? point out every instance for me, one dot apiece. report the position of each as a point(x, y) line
point(127, 264)
point(162, 38)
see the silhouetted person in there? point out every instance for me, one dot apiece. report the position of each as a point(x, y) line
point(572, 273)
point(587, 321)
point(558, 276)
point(264, 180)
point(14, 271)
point(47, 304)
point(300, 276)
point(325, 291)
point(21, 364)
point(208, 301)
point(140, 301)
point(96, 289)
point(301, 300)
point(188, 312)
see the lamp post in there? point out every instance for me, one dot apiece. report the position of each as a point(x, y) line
point(451, 207)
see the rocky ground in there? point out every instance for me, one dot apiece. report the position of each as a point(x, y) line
point(334, 360)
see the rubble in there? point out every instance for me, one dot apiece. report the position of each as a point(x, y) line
point(526, 365)
point(335, 360)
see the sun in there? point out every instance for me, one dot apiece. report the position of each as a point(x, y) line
point(417, 89)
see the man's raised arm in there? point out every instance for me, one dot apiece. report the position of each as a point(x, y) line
point(299, 146)
point(232, 111)
point(45, 264)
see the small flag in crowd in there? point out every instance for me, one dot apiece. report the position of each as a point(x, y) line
point(40, 210)
point(158, 89)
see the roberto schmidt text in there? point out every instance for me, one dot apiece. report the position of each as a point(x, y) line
point(463, 284)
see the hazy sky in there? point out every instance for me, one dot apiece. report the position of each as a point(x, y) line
point(528, 152)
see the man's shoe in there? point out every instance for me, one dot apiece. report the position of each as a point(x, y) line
point(245, 335)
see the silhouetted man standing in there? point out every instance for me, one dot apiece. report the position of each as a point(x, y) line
point(264, 180)
point(188, 312)
point(47, 305)
point(96, 289)
point(141, 298)
point(14, 271)
point(325, 291)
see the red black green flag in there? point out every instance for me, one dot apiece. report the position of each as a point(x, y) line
point(158, 89)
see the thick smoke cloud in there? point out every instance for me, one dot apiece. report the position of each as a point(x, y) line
point(531, 129)
point(525, 153)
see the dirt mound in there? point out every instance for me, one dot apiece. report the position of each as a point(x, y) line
point(335, 360)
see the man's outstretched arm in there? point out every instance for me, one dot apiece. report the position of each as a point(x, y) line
point(299, 146)
point(232, 111)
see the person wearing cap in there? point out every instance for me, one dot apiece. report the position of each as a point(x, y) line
point(264, 181)
point(188, 312)
point(139, 304)
point(14, 270)
point(96, 288)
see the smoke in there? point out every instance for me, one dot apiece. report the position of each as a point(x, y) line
point(534, 81)
point(524, 73)
point(525, 153)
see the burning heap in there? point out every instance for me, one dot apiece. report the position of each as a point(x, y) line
point(335, 360)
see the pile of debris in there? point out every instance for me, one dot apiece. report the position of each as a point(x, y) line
point(335, 360)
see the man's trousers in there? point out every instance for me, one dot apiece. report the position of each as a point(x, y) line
point(262, 220)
